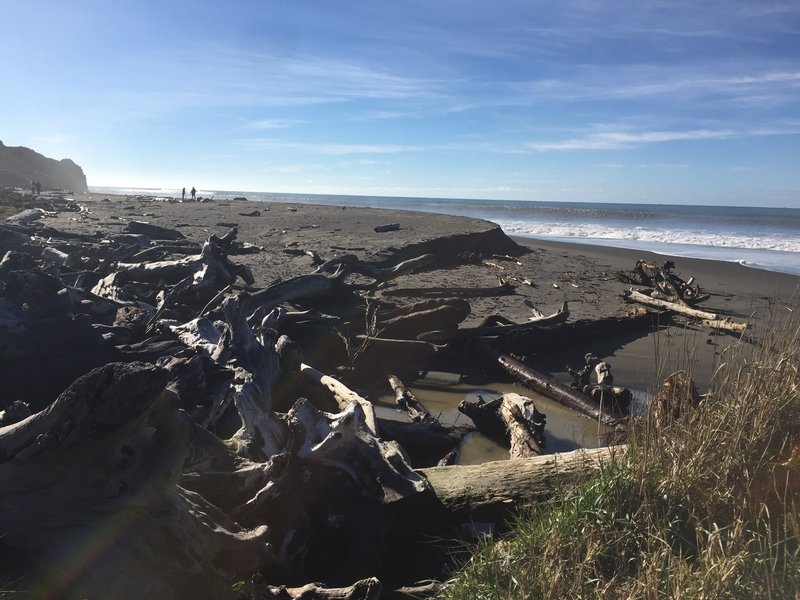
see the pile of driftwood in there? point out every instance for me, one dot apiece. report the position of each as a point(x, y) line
point(164, 432)
point(668, 292)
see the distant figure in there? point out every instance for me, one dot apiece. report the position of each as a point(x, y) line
point(38, 187)
point(194, 191)
point(33, 187)
point(183, 194)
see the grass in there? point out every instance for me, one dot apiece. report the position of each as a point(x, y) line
point(705, 507)
point(12, 202)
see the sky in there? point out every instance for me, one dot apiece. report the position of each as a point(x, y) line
point(660, 101)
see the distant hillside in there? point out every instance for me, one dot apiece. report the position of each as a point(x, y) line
point(19, 166)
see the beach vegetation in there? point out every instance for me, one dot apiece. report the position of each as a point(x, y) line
point(704, 507)
point(13, 201)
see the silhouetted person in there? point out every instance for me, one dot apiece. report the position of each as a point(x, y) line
point(194, 191)
point(38, 187)
point(33, 187)
point(183, 194)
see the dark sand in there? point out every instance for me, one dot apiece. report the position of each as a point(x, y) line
point(583, 275)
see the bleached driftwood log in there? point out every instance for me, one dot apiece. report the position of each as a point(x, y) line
point(520, 416)
point(511, 420)
point(490, 491)
point(708, 319)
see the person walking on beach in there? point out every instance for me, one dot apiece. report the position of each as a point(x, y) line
point(194, 191)
point(183, 194)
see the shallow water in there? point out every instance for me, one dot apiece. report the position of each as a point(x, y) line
point(441, 394)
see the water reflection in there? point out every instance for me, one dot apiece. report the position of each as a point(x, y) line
point(442, 392)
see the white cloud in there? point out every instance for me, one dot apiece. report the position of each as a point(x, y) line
point(330, 149)
point(271, 123)
point(613, 140)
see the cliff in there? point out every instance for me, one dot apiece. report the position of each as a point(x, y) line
point(19, 166)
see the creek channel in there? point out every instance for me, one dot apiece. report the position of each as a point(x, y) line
point(441, 392)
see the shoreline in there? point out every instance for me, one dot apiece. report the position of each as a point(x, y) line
point(784, 261)
point(694, 252)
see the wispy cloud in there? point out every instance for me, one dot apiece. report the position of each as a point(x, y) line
point(613, 140)
point(271, 123)
point(329, 149)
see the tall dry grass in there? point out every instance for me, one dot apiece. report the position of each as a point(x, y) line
point(702, 507)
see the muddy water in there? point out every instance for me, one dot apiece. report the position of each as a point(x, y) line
point(441, 393)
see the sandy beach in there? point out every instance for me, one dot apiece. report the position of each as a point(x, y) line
point(582, 275)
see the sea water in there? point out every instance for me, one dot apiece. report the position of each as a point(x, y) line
point(765, 238)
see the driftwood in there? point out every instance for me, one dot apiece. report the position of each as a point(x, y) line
point(349, 263)
point(155, 232)
point(109, 452)
point(504, 289)
point(26, 217)
point(602, 391)
point(491, 491)
point(364, 589)
point(343, 395)
point(465, 333)
point(511, 420)
point(425, 443)
point(387, 227)
point(423, 316)
point(549, 387)
point(677, 396)
point(523, 422)
point(407, 402)
point(668, 285)
point(708, 319)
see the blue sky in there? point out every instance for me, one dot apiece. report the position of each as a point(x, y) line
point(579, 100)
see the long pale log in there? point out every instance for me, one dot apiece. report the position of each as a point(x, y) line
point(551, 388)
point(364, 589)
point(635, 296)
point(725, 325)
point(710, 320)
point(490, 490)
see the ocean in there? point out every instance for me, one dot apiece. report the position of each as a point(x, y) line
point(763, 238)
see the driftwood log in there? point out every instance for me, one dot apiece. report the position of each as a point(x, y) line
point(549, 387)
point(504, 289)
point(493, 330)
point(407, 402)
point(491, 491)
point(708, 319)
point(511, 420)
